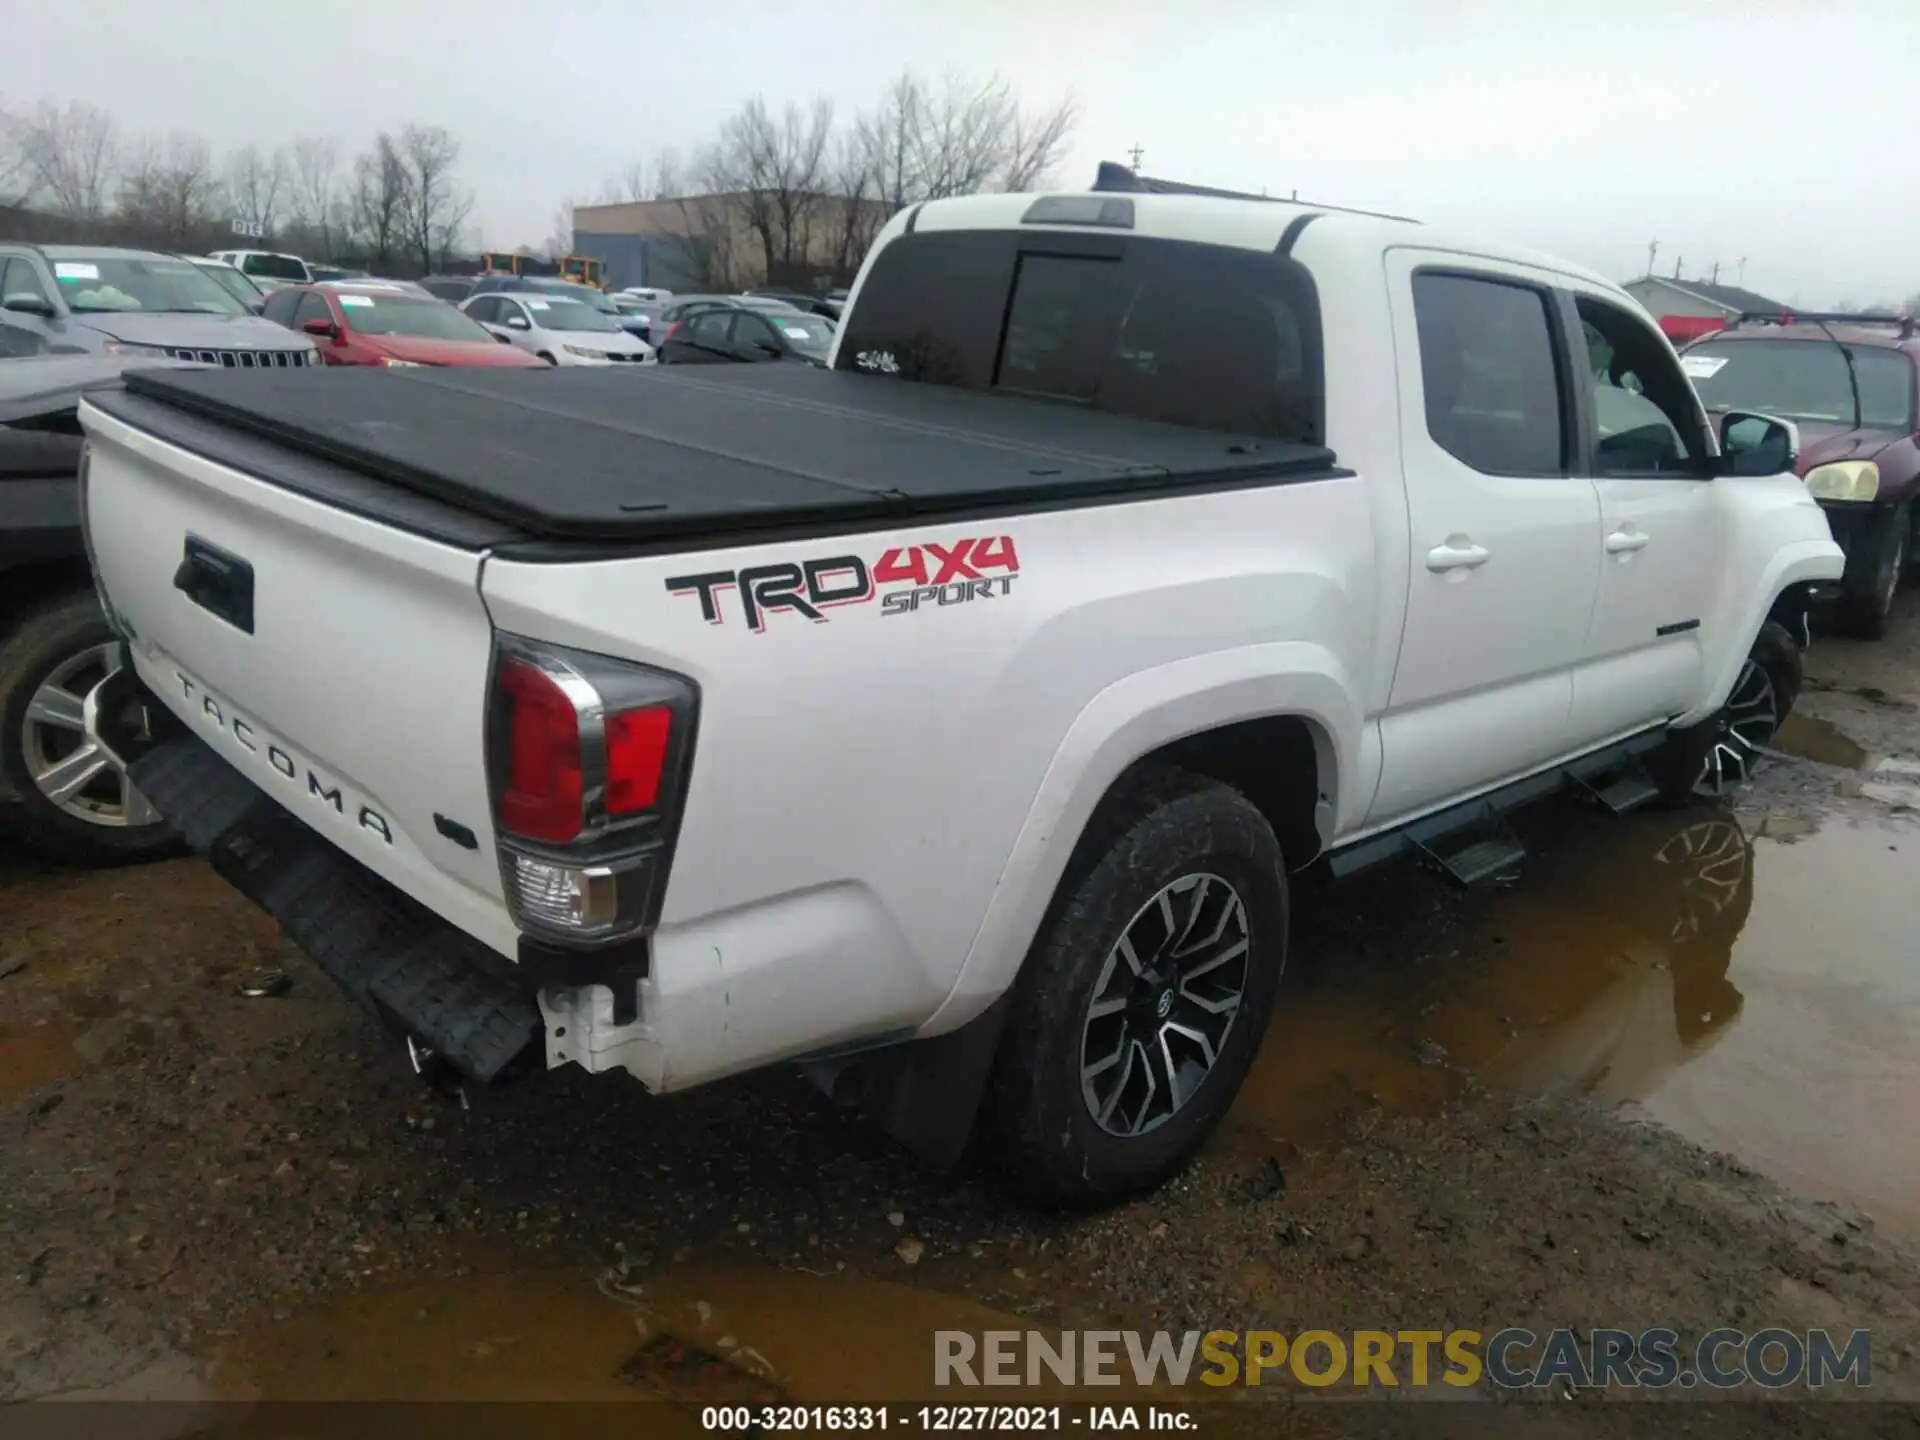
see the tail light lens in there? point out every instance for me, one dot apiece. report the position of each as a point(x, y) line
point(673, 330)
point(588, 758)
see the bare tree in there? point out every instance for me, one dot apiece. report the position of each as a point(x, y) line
point(776, 167)
point(853, 212)
point(69, 156)
point(313, 197)
point(16, 176)
point(560, 238)
point(380, 200)
point(169, 194)
point(1036, 142)
point(435, 208)
point(257, 185)
point(965, 137)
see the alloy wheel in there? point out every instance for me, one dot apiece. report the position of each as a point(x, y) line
point(1744, 729)
point(73, 772)
point(1165, 1002)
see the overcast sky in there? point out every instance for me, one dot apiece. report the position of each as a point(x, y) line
point(1778, 131)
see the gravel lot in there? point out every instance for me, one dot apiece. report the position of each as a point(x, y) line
point(1462, 1117)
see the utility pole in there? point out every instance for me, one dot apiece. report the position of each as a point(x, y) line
point(1135, 155)
point(1653, 249)
point(1714, 278)
point(1678, 260)
point(1743, 270)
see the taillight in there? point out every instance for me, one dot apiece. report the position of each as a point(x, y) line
point(541, 792)
point(673, 330)
point(588, 758)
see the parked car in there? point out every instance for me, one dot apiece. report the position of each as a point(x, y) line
point(642, 318)
point(950, 719)
point(721, 332)
point(60, 795)
point(1849, 382)
point(87, 300)
point(231, 279)
point(323, 273)
point(798, 299)
point(560, 331)
point(397, 287)
point(450, 288)
point(645, 292)
point(268, 267)
point(634, 323)
point(681, 306)
point(375, 325)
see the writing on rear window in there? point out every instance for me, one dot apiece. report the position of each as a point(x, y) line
point(905, 579)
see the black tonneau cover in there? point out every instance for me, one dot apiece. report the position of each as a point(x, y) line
point(617, 454)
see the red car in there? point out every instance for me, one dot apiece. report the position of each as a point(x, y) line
point(1851, 383)
point(376, 325)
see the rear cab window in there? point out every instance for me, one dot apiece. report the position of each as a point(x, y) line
point(1206, 336)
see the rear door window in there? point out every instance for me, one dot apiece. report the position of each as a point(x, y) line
point(1205, 336)
point(1490, 370)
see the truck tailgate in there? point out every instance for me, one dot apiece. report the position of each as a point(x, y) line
point(338, 663)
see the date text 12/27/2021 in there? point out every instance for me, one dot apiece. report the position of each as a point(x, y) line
point(946, 1419)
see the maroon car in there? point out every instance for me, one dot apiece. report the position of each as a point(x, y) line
point(1851, 383)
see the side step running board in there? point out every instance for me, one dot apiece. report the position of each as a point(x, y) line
point(1617, 787)
point(407, 965)
point(1473, 843)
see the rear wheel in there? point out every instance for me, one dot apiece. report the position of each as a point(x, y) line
point(1140, 1008)
point(1718, 756)
point(59, 792)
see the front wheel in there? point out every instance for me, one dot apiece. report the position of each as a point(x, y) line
point(1718, 756)
point(1143, 1001)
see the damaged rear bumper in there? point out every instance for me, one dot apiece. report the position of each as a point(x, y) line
point(433, 983)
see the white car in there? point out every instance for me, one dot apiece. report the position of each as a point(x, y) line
point(950, 719)
point(646, 292)
point(560, 331)
point(267, 268)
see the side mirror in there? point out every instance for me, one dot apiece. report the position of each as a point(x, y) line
point(1753, 444)
point(324, 328)
point(21, 303)
point(767, 347)
point(515, 322)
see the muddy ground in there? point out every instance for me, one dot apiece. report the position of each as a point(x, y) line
point(1668, 1079)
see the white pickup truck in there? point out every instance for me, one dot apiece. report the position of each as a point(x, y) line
point(949, 719)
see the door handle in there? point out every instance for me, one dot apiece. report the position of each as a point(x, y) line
point(1458, 553)
point(1625, 542)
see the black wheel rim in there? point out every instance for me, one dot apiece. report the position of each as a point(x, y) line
point(1743, 731)
point(1168, 995)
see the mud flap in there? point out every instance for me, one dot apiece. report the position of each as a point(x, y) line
point(397, 959)
point(925, 1094)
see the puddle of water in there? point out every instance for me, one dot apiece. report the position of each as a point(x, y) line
point(1760, 997)
point(1820, 740)
point(691, 1336)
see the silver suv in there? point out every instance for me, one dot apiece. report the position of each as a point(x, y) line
point(92, 300)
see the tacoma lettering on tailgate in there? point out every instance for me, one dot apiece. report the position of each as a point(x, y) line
point(929, 574)
point(276, 758)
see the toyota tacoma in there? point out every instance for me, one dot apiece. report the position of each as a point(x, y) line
point(950, 719)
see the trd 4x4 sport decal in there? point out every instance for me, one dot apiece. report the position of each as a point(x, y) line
point(928, 574)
